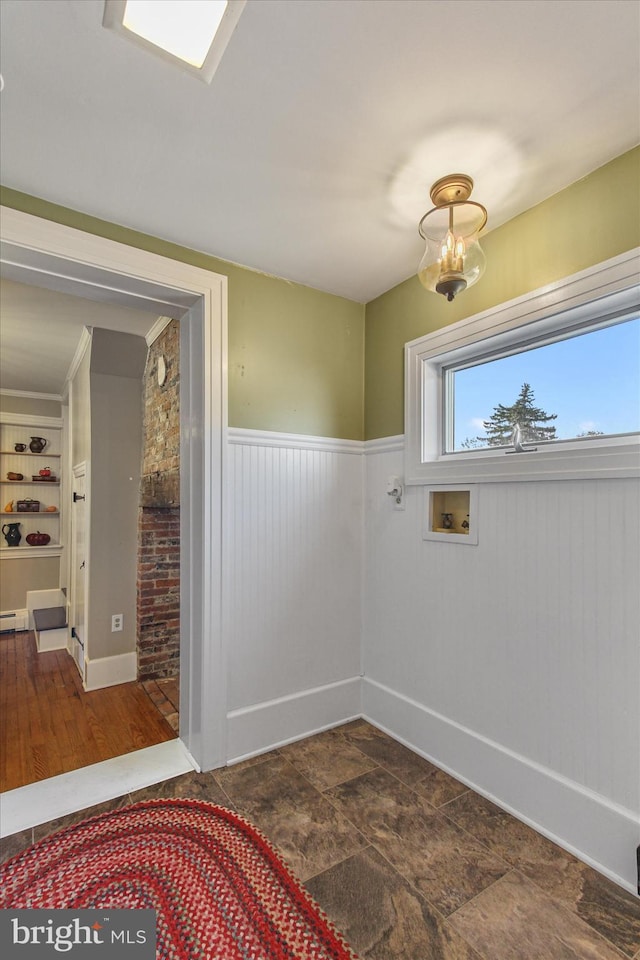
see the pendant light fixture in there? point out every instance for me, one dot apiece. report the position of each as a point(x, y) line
point(453, 259)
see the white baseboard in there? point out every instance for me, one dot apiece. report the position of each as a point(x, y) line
point(594, 829)
point(265, 726)
point(108, 671)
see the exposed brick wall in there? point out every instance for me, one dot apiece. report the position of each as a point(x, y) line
point(158, 593)
point(158, 583)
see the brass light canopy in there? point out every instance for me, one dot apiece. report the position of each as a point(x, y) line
point(453, 259)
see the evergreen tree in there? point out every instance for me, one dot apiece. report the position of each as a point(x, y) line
point(501, 424)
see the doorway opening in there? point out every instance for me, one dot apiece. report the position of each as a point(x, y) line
point(43, 253)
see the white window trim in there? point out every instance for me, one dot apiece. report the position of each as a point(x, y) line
point(577, 299)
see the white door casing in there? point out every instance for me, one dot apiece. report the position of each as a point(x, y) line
point(43, 253)
point(79, 572)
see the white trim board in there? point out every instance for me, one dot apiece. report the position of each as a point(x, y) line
point(594, 829)
point(296, 441)
point(301, 441)
point(385, 444)
point(109, 671)
point(68, 793)
point(266, 726)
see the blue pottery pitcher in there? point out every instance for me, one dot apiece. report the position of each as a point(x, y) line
point(12, 535)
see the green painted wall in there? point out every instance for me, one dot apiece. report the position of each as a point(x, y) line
point(295, 354)
point(592, 220)
point(303, 361)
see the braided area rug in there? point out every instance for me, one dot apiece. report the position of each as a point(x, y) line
point(220, 890)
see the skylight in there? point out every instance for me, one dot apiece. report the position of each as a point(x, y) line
point(185, 28)
point(193, 33)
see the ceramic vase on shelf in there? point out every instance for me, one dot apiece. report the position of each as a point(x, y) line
point(12, 534)
point(37, 444)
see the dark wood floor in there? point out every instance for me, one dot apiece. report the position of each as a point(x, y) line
point(50, 725)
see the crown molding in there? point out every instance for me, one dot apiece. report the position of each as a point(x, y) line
point(81, 349)
point(154, 332)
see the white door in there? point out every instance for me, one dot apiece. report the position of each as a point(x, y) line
point(78, 568)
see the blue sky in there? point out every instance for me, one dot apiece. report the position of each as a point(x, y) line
point(591, 381)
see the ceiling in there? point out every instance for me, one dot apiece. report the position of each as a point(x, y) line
point(41, 329)
point(311, 153)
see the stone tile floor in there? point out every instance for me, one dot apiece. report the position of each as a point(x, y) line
point(408, 862)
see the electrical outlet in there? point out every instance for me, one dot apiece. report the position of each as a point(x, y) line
point(116, 622)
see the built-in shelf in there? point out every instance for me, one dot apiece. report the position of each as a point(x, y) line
point(30, 513)
point(24, 550)
point(28, 453)
point(19, 429)
point(36, 483)
point(451, 514)
point(29, 549)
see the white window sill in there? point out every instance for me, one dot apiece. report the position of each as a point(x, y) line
point(603, 462)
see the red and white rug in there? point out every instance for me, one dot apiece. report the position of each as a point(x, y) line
point(220, 890)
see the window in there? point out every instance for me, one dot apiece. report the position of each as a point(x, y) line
point(544, 387)
point(588, 384)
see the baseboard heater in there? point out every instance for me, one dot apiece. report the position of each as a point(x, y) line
point(11, 622)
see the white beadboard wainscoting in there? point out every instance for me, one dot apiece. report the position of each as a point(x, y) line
point(293, 594)
point(515, 664)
